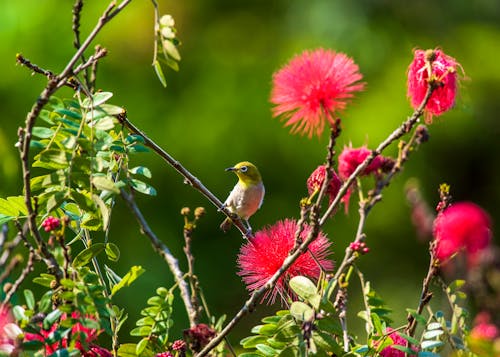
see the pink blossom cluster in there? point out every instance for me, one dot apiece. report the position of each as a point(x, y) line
point(51, 223)
point(359, 247)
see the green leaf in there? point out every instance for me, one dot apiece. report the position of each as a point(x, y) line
point(52, 159)
point(143, 187)
point(431, 344)
point(303, 287)
point(128, 279)
point(42, 132)
point(86, 255)
point(137, 148)
point(434, 326)
point(105, 123)
point(112, 252)
point(18, 202)
point(69, 113)
point(410, 339)
point(29, 298)
point(267, 330)
point(104, 183)
point(301, 311)
point(404, 349)
point(7, 208)
point(266, 350)
point(51, 318)
point(171, 49)
point(252, 341)
point(455, 285)
point(141, 170)
point(141, 331)
point(159, 73)
point(91, 222)
point(19, 313)
point(271, 319)
point(96, 100)
point(111, 109)
point(127, 350)
point(44, 281)
point(428, 335)
point(5, 219)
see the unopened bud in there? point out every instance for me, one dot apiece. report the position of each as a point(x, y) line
point(185, 211)
point(199, 212)
point(7, 287)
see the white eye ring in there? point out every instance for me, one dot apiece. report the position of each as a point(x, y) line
point(244, 169)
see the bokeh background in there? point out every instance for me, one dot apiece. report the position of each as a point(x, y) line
point(216, 112)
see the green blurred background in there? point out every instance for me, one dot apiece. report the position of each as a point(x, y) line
point(216, 112)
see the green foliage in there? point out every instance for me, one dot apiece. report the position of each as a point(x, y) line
point(87, 156)
point(153, 327)
point(299, 331)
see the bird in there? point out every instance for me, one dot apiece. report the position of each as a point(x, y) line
point(247, 195)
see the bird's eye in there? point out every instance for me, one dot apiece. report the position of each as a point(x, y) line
point(244, 169)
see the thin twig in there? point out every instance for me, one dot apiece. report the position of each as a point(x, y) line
point(425, 295)
point(13, 263)
point(193, 281)
point(77, 10)
point(27, 269)
point(70, 82)
point(189, 178)
point(8, 248)
point(164, 252)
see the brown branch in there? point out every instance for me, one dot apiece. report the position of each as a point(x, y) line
point(164, 252)
point(189, 178)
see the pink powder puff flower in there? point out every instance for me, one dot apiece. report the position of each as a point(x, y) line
point(315, 182)
point(261, 258)
point(484, 328)
point(462, 225)
point(349, 160)
point(313, 86)
point(389, 351)
point(433, 65)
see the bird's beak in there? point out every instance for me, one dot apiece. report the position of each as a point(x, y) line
point(231, 169)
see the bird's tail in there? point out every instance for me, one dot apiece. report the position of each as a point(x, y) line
point(226, 224)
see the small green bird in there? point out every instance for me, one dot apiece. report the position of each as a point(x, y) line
point(247, 195)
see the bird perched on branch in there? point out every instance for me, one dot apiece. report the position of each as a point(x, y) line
point(247, 195)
